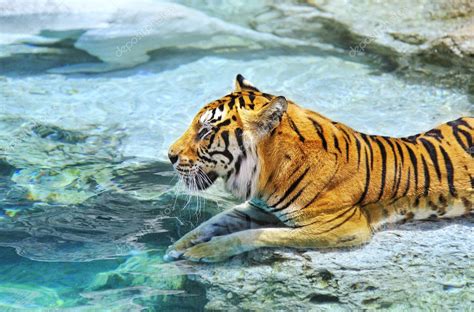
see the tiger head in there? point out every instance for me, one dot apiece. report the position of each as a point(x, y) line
point(223, 137)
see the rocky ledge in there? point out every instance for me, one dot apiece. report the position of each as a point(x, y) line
point(410, 266)
point(422, 38)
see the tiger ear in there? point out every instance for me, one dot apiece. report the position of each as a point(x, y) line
point(269, 116)
point(242, 84)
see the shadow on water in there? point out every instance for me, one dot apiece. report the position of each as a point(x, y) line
point(32, 64)
point(171, 58)
point(164, 59)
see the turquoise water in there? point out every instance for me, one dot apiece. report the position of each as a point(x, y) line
point(88, 201)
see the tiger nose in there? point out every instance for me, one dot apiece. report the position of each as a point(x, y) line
point(173, 158)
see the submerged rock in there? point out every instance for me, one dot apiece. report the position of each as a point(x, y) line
point(413, 266)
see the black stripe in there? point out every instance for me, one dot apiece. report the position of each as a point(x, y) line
point(367, 180)
point(408, 183)
point(459, 122)
point(238, 162)
point(435, 133)
point(249, 189)
point(400, 151)
point(231, 103)
point(456, 130)
point(205, 158)
point(267, 96)
point(240, 140)
point(320, 132)
point(365, 137)
point(348, 137)
point(292, 187)
point(297, 168)
point(395, 162)
point(397, 184)
point(225, 137)
point(430, 148)
point(458, 138)
point(416, 202)
point(213, 112)
point(468, 139)
point(347, 149)
point(222, 124)
point(354, 209)
point(414, 163)
point(295, 128)
point(316, 196)
point(339, 215)
point(292, 200)
point(427, 176)
point(251, 97)
point(211, 140)
point(358, 151)
point(311, 201)
point(225, 152)
point(336, 143)
point(203, 132)
point(411, 138)
point(449, 171)
point(383, 152)
point(398, 144)
point(241, 102)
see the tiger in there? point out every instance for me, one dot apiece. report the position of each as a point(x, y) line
point(309, 182)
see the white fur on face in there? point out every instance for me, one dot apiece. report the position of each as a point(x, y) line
point(212, 115)
point(244, 184)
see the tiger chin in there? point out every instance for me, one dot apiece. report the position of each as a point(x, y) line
point(309, 182)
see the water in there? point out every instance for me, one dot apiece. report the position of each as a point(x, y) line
point(88, 200)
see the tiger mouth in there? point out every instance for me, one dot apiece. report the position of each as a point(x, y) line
point(197, 181)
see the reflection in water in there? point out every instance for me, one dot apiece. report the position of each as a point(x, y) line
point(105, 250)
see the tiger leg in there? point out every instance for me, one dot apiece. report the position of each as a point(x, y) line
point(238, 218)
point(353, 232)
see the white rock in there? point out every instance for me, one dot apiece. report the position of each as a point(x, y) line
point(122, 34)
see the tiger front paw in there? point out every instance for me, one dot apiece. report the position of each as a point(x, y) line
point(175, 251)
point(216, 250)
